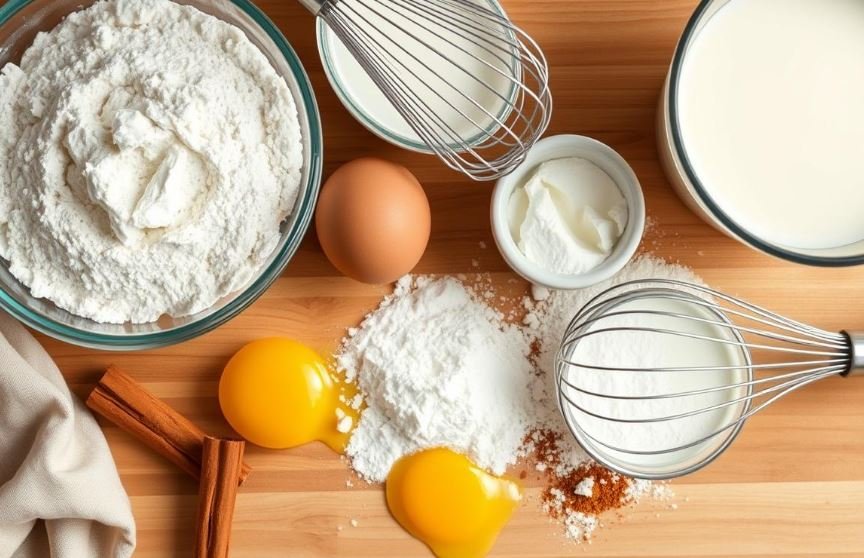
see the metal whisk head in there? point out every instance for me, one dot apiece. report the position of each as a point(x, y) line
point(655, 378)
point(473, 87)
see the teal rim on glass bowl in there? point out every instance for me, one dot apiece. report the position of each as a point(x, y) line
point(368, 121)
point(20, 20)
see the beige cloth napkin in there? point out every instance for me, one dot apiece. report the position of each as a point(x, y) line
point(60, 495)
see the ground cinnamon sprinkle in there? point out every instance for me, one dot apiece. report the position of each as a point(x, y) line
point(576, 497)
point(547, 451)
point(609, 491)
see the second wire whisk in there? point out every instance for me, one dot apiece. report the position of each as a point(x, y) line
point(655, 378)
point(471, 85)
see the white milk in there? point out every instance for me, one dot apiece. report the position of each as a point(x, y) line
point(438, 83)
point(646, 350)
point(772, 118)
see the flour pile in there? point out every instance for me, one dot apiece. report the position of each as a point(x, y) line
point(438, 367)
point(148, 154)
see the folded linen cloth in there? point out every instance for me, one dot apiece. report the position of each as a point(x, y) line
point(60, 495)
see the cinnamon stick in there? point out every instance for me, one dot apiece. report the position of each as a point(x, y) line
point(221, 462)
point(120, 399)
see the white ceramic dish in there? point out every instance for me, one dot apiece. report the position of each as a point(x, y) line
point(558, 147)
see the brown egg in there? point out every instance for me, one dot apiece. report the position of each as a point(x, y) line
point(373, 220)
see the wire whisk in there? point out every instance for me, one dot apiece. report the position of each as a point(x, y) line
point(655, 378)
point(471, 85)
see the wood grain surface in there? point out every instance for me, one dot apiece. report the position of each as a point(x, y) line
point(791, 486)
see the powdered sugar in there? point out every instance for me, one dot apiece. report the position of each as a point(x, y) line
point(585, 488)
point(438, 368)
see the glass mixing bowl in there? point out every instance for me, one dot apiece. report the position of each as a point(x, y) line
point(20, 21)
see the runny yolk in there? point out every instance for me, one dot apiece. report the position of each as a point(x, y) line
point(278, 393)
point(446, 501)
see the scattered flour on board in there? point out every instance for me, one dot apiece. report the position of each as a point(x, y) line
point(437, 366)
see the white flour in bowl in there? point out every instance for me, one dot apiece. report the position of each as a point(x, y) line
point(148, 154)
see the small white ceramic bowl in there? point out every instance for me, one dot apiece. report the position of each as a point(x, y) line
point(559, 147)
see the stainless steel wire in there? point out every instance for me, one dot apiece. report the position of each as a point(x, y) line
point(779, 356)
point(414, 68)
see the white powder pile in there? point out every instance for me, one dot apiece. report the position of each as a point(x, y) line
point(438, 367)
point(585, 488)
point(148, 154)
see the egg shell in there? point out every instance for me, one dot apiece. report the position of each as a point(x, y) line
point(373, 220)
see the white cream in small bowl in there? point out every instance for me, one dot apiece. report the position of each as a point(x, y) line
point(572, 215)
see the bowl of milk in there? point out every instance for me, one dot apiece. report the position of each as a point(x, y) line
point(654, 386)
point(761, 125)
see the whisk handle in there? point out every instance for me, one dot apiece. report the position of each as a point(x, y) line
point(314, 6)
point(856, 344)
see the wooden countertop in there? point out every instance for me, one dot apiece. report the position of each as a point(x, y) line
point(792, 484)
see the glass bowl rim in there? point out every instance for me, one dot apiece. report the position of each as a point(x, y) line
point(304, 210)
point(701, 192)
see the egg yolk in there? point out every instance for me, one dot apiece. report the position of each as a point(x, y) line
point(455, 507)
point(278, 393)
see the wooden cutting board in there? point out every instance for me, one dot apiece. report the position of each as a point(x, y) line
point(792, 484)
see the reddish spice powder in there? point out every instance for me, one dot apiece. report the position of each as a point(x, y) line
point(546, 447)
point(560, 498)
point(609, 492)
